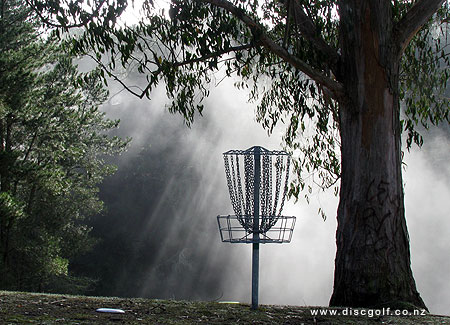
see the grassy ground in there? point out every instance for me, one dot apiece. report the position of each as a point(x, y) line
point(30, 308)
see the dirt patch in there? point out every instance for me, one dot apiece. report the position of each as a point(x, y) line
point(31, 308)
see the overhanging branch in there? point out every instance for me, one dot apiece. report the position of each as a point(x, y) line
point(196, 60)
point(333, 86)
point(308, 30)
point(413, 20)
point(336, 89)
point(145, 92)
point(215, 54)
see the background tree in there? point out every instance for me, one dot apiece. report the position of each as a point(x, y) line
point(52, 143)
point(336, 72)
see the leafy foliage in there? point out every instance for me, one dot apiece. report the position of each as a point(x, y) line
point(263, 44)
point(53, 142)
point(424, 77)
point(69, 14)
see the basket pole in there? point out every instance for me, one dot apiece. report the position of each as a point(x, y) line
point(255, 252)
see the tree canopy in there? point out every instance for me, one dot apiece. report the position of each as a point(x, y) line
point(53, 140)
point(285, 53)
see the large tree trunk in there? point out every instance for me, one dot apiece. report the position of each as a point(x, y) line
point(373, 257)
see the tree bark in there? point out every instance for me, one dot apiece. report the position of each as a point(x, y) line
point(372, 266)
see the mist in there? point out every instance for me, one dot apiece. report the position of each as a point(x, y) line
point(159, 234)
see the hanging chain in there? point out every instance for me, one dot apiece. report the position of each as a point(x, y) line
point(286, 186)
point(278, 169)
point(243, 206)
point(239, 186)
point(266, 191)
point(249, 190)
point(231, 182)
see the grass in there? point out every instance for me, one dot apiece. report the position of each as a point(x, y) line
point(33, 308)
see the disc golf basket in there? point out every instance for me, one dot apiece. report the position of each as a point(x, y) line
point(257, 181)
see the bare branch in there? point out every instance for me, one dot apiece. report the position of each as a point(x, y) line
point(116, 78)
point(335, 87)
point(413, 20)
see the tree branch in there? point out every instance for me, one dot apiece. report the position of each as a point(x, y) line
point(215, 54)
point(144, 92)
point(308, 30)
point(117, 79)
point(336, 89)
point(412, 21)
point(196, 60)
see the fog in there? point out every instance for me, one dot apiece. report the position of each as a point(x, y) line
point(427, 200)
point(185, 258)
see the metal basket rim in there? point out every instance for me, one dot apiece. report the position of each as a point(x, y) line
point(248, 236)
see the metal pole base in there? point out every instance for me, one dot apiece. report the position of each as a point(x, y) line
point(255, 275)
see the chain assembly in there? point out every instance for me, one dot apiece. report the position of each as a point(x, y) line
point(271, 186)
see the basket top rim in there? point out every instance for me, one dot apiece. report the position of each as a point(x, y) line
point(255, 150)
